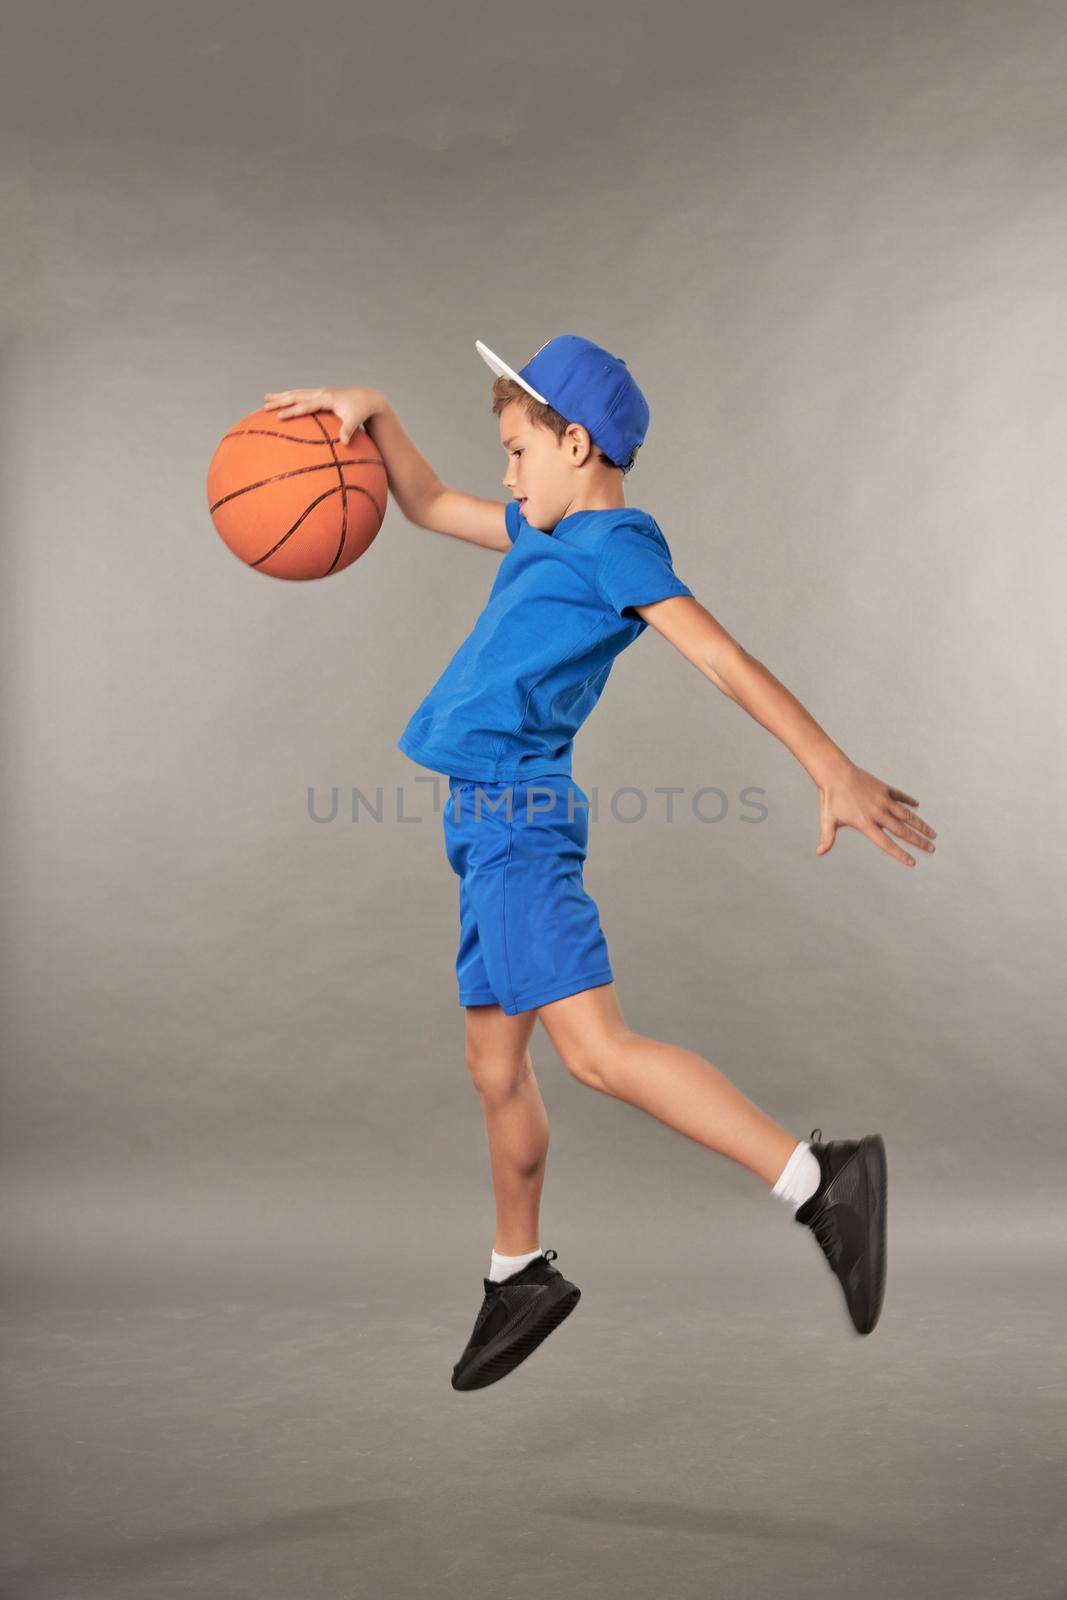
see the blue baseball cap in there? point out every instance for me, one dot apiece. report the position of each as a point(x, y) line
point(585, 384)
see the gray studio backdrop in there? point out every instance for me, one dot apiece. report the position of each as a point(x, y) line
point(829, 240)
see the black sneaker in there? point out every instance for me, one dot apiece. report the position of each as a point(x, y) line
point(847, 1216)
point(516, 1314)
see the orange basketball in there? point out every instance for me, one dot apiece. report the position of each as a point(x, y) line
point(292, 501)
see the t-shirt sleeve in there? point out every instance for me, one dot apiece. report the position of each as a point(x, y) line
point(511, 519)
point(635, 569)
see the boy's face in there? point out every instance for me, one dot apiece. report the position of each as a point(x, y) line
point(540, 468)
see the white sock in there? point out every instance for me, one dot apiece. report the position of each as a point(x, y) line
point(800, 1177)
point(504, 1266)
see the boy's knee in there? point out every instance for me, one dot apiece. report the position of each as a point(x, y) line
point(493, 1076)
point(591, 1060)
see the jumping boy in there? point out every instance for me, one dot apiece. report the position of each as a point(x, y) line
point(582, 577)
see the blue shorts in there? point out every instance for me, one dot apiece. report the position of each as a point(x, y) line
point(528, 931)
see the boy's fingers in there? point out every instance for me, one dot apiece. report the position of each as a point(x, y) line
point(904, 830)
point(908, 823)
point(884, 842)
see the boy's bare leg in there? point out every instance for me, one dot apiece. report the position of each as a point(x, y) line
point(671, 1083)
point(498, 1059)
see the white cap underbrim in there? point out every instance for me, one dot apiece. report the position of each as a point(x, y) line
point(502, 370)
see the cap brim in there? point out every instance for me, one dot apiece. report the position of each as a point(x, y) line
point(502, 370)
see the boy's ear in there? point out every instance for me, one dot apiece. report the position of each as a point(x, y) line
point(583, 433)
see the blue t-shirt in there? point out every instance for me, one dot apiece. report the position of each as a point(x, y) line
point(527, 676)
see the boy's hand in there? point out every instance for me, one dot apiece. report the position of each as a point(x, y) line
point(853, 798)
point(352, 406)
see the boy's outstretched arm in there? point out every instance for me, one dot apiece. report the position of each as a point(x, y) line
point(848, 796)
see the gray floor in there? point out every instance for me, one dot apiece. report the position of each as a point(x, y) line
point(246, 1417)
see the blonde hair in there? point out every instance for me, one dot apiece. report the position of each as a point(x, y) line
point(505, 390)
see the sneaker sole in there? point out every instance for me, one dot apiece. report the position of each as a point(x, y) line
point(874, 1165)
point(514, 1344)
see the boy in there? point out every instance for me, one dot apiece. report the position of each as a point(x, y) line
point(583, 576)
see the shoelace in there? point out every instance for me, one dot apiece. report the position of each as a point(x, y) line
point(823, 1227)
point(494, 1289)
point(822, 1224)
point(483, 1313)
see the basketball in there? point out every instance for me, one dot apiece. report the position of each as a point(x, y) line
point(290, 500)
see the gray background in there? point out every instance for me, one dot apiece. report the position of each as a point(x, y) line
point(245, 1182)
